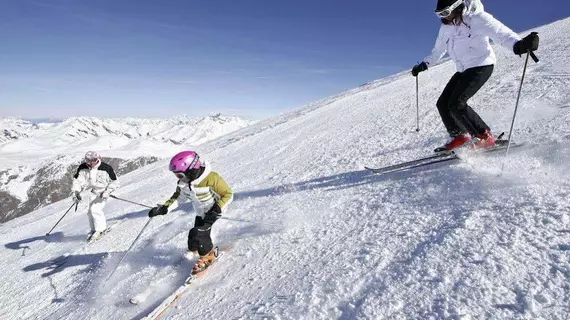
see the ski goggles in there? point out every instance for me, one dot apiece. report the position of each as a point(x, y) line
point(179, 175)
point(91, 161)
point(447, 11)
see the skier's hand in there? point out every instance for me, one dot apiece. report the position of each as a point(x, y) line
point(213, 214)
point(158, 211)
point(210, 218)
point(105, 195)
point(76, 196)
point(419, 68)
point(528, 43)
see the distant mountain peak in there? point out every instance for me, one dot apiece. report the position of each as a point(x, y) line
point(177, 129)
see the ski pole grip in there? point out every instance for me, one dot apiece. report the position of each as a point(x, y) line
point(533, 56)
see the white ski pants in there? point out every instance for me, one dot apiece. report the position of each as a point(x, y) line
point(97, 220)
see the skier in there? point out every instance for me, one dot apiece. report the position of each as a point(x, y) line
point(464, 35)
point(210, 196)
point(99, 178)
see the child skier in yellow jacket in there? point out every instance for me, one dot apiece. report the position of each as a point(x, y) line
point(210, 196)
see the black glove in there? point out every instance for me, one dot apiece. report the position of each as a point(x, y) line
point(419, 68)
point(156, 211)
point(76, 196)
point(213, 214)
point(527, 43)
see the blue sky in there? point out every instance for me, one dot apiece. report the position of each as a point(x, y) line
point(113, 58)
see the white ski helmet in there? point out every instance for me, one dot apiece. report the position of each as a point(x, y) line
point(92, 158)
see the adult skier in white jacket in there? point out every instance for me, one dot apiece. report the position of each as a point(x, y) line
point(464, 35)
point(100, 179)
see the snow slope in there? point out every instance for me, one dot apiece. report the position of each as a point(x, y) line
point(454, 241)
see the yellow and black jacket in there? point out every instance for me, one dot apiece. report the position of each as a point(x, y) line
point(207, 189)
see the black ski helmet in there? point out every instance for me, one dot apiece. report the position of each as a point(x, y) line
point(442, 4)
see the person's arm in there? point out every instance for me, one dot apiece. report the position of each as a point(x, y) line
point(113, 182)
point(174, 201)
point(494, 29)
point(439, 49)
point(169, 205)
point(79, 181)
point(226, 194)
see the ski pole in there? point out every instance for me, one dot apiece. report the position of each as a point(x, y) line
point(126, 252)
point(516, 107)
point(75, 203)
point(125, 200)
point(249, 221)
point(417, 105)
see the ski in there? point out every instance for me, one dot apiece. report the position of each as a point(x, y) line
point(169, 302)
point(439, 158)
point(109, 228)
point(154, 285)
point(142, 296)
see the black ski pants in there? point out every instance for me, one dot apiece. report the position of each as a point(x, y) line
point(199, 237)
point(458, 117)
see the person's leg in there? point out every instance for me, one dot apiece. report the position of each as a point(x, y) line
point(467, 86)
point(91, 223)
point(199, 238)
point(443, 107)
point(96, 215)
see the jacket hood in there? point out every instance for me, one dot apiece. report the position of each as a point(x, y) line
point(473, 7)
point(207, 170)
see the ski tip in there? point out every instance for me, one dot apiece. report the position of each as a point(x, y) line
point(139, 298)
point(375, 170)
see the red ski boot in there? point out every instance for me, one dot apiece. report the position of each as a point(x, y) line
point(458, 141)
point(485, 140)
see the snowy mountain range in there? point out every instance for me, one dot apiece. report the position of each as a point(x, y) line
point(37, 159)
point(177, 130)
point(329, 239)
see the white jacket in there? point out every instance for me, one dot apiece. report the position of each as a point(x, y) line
point(468, 44)
point(99, 178)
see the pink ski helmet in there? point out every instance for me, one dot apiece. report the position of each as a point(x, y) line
point(185, 160)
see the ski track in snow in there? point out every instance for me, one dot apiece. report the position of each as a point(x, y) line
point(450, 241)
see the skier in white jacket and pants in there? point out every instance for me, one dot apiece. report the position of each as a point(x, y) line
point(464, 35)
point(100, 179)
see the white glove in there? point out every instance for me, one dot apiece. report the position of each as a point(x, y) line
point(105, 194)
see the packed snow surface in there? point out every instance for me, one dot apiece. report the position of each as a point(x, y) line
point(330, 240)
